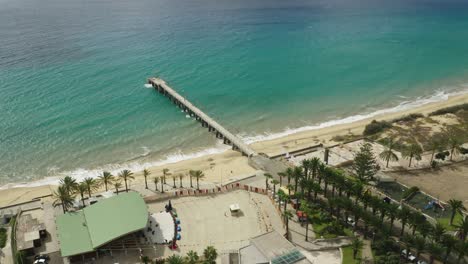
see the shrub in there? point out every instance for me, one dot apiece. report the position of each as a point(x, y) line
point(407, 118)
point(442, 155)
point(3, 237)
point(463, 150)
point(434, 165)
point(408, 194)
point(376, 127)
point(450, 110)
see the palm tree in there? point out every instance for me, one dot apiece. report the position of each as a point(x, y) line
point(419, 245)
point(146, 173)
point(448, 242)
point(404, 214)
point(437, 232)
point(297, 174)
point(462, 228)
point(306, 164)
point(455, 139)
point(166, 173)
point(198, 174)
point(274, 182)
point(126, 175)
point(268, 177)
point(408, 240)
point(287, 215)
point(106, 178)
point(181, 177)
point(63, 196)
point(191, 175)
point(162, 183)
point(305, 208)
point(210, 254)
point(457, 207)
point(69, 183)
point(289, 173)
point(462, 249)
point(175, 259)
point(192, 257)
point(388, 154)
point(281, 175)
point(117, 186)
point(392, 214)
point(174, 177)
point(91, 185)
point(434, 250)
point(356, 245)
point(156, 181)
point(414, 150)
point(145, 259)
point(314, 164)
point(436, 143)
point(81, 188)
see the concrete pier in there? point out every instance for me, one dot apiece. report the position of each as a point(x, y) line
point(206, 121)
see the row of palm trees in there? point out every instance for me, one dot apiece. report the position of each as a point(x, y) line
point(69, 187)
point(325, 188)
point(452, 138)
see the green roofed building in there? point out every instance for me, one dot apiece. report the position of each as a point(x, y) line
point(98, 224)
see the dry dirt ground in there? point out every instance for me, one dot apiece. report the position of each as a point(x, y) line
point(449, 182)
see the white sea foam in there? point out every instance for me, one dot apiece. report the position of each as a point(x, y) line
point(403, 106)
point(147, 85)
point(178, 156)
point(81, 173)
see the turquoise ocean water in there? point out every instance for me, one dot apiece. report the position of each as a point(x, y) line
point(72, 73)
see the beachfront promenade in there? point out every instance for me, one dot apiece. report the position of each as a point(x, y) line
point(228, 138)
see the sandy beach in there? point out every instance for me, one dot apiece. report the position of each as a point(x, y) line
point(229, 165)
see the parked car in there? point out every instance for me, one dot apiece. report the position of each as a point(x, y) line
point(350, 221)
point(411, 257)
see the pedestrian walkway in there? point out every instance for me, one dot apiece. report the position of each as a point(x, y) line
point(5, 253)
point(366, 253)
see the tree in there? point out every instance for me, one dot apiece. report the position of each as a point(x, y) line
point(165, 174)
point(174, 177)
point(274, 182)
point(191, 175)
point(356, 245)
point(297, 174)
point(287, 214)
point(156, 181)
point(81, 189)
point(192, 257)
point(175, 259)
point(63, 196)
point(268, 177)
point(404, 214)
point(438, 232)
point(419, 245)
point(448, 242)
point(289, 173)
point(436, 143)
point(198, 175)
point(281, 175)
point(117, 186)
point(162, 183)
point(388, 154)
point(145, 259)
point(91, 185)
point(306, 164)
point(455, 139)
point(181, 177)
point(365, 165)
point(413, 151)
point(462, 249)
point(314, 165)
point(69, 183)
point(106, 178)
point(126, 175)
point(457, 207)
point(305, 208)
point(210, 254)
point(146, 173)
point(434, 250)
point(462, 228)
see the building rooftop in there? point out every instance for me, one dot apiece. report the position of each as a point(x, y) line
point(273, 248)
point(100, 223)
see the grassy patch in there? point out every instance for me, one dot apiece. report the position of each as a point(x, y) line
point(445, 221)
point(348, 256)
point(3, 237)
point(450, 110)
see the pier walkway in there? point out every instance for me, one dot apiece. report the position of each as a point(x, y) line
point(228, 138)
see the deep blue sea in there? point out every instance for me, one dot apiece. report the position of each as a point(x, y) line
point(72, 73)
